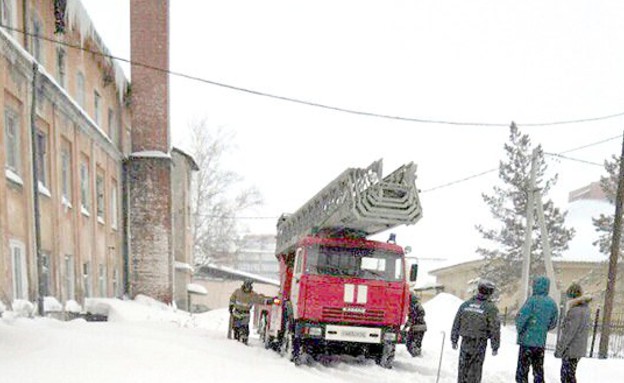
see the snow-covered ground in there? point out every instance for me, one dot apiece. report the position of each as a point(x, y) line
point(145, 341)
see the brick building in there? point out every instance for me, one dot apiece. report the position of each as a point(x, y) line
point(95, 152)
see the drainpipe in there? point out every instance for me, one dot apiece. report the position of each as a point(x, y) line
point(125, 245)
point(25, 24)
point(35, 177)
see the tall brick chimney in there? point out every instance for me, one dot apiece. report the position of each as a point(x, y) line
point(149, 167)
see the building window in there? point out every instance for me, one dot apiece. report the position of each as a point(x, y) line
point(111, 124)
point(18, 261)
point(85, 190)
point(69, 277)
point(45, 272)
point(12, 140)
point(8, 14)
point(36, 40)
point(115, 283)
point(42, 158)
point(97, 108)
point(113, 205)
point(86, 272)
point(61, 67)
point(99, 189)
point(80, 89)
point(66, 174)
point(102, 280)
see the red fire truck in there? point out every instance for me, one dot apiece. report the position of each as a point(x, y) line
point(339, 291)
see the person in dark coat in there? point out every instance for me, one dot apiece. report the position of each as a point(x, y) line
point(537, 316)
point(476, 321)
point(572, 342)
point(415, 326)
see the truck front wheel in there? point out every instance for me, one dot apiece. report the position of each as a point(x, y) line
point(291, 345)
point(385, 355)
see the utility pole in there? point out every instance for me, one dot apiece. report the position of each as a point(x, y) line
point(526, 250)
point(550, 270)
point(612, 273)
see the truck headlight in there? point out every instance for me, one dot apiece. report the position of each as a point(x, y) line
point(390, 336)
point(315, 331)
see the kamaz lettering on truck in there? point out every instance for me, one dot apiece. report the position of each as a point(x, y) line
point(339, 291)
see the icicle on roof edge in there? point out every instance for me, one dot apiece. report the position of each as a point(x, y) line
point(78, 19)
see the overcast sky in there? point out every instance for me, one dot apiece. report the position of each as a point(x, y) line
point(444, 60)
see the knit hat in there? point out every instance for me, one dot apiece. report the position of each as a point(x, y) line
point(574, 291)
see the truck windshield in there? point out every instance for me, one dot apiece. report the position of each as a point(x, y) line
point(354, 262)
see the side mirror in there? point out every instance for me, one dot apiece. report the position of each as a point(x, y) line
point(408, 249)
point(413, 272)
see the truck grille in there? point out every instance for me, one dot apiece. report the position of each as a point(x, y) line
point(336, 314)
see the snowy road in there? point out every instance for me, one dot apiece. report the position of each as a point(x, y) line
point(145, 342)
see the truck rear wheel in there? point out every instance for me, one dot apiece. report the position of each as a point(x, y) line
point(264, 332)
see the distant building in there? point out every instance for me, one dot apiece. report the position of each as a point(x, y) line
point(256, 255)
point(593, 191)
point(221, 281)
point(582, 262)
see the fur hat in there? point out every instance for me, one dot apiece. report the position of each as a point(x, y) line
point(574, 291)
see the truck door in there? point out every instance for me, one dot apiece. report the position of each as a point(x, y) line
point(296, 278)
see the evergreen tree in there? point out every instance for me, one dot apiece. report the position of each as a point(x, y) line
point(604, 223)
point(508, 205)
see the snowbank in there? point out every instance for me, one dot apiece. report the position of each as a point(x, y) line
point(148, 341)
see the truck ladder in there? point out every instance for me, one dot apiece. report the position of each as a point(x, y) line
point(358, 200)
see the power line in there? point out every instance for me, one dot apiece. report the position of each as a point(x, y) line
point(232, 217)
point(574, 159)
point(477, 175)
point(552, 154)
point(459, 180)
point(589, 145)
point(310, 103)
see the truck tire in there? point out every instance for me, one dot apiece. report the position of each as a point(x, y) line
point(385, 355)
point(290, 346)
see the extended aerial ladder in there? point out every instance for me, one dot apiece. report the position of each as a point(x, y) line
point(359, 202)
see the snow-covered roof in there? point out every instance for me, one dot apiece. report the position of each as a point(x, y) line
point(183, 266)
point(579, 217)
point(151, 154)
point(188, 157)
point(241, 274)
point(78, 19)
point(194, 288)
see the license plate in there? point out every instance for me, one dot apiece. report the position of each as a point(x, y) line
point(356, 334)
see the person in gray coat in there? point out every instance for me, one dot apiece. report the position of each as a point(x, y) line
point(572, 342)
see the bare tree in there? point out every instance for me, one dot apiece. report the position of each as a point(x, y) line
point(217, 196)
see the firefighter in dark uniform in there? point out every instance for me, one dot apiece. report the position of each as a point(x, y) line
point(415, 326)
point(241, 302)
point(476, 321)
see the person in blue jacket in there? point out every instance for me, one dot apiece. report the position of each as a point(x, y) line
point(537, 316)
